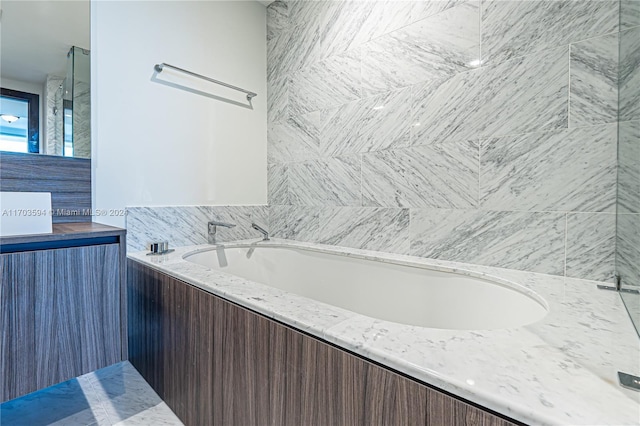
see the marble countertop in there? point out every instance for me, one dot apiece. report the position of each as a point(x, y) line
point(559, 370)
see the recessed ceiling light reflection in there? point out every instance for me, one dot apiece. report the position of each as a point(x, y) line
point(378, 107)
point(475, 63)
point(9, 118)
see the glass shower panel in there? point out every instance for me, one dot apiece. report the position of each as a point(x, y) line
point(67, 108)
point(81, 103)
point(628, 203)
point(73, 111)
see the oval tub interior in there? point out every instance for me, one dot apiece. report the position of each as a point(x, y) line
point(411, 295)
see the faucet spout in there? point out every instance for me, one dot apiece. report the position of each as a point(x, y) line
point(265, 234)
point(212, 229)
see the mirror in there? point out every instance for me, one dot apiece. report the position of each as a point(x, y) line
point(628, 203)
point(45, 77)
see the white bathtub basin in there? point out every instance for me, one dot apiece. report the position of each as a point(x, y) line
point(411, 295)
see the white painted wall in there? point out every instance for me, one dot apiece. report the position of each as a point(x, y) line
point(30, 87)
point(157, 145)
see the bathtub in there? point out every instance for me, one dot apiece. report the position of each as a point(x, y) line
point(404, 293)
point(556, 367)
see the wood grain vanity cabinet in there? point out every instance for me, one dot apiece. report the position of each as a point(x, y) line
point(61, 299)
point(216, 363)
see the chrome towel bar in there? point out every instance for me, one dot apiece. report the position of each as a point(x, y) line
point(160, 67)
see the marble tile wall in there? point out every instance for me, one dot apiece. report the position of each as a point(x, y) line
point(476, 131)
point(81, 119)
point(187, 225)
point(53, 101)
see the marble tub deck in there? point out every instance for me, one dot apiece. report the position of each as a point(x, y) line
point(559, 370)
point(115, 395)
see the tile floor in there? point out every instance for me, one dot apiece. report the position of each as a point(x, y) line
point(115, 395)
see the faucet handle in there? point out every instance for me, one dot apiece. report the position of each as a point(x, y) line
point(212, 229)
point(265, 234)
point(224, 224)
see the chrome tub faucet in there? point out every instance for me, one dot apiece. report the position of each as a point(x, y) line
point(212, 229)
point(265, 234)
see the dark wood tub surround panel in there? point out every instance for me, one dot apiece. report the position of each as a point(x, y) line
point(216, 363)
point(67, 179)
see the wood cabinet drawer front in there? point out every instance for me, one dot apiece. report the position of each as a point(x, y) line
point(60, 315)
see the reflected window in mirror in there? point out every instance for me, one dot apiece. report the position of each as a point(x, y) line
point(19, 121)
point(67, 148)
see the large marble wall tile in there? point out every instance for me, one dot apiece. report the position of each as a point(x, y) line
point(629, 167)
point(292, 49)
point(629, 14)
point(292, 42)
point(445, 233)
point(277, 99)
point(390, 15)
point(366, 228)
point(277, 18)
point(294, 222)
point(243, 217)
point(441, 175)
point(180, 225)
point(591, 243)
point(517, 240)
point(571, 169)
point(441, 45)
point(515, 28)
point(344, 26)
point(306, 12)
point(522, 95)
point(526, 94)
point(628, 248)
point(294, 139)
point(275, 55)
point(329, 83)
point(347, 24)
point(594, 81)
point(339, 129)
point(326, 182)
point(422, 9)
point(447, 109)
point(630, 74)
point(278, 184)
point(387, 121)
point(371, 124)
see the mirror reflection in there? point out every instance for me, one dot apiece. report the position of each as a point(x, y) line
point(45, 78)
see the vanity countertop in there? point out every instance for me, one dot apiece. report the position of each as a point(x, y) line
point(66, 231)
point(559, 370)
